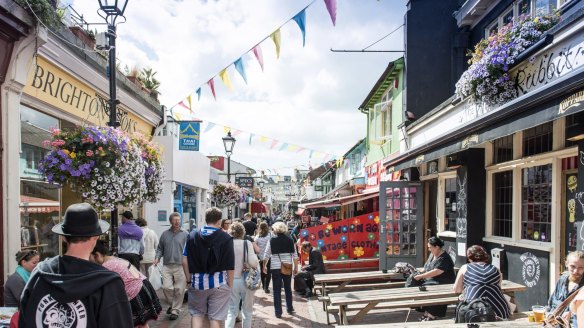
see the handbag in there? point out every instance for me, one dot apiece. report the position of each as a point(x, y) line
point(251, 275)
point(556, 319)
point(285, 268)
point(477, 310)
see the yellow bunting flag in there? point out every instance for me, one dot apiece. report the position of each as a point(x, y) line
point(226, 129)
point(292, 147)
point(225, 78)
point(189, 100)
point(263, 139)
point(277, 38)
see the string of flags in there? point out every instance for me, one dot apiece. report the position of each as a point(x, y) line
point(256, 50)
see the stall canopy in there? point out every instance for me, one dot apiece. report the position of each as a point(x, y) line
point(340, 201)
point(257, 207)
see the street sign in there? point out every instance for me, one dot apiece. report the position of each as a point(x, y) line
point(244, 182)
point(317, 188)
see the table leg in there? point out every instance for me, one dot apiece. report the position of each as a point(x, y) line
point(343, 315)
point(323, 293)
point(363, 312)
point(341, 286)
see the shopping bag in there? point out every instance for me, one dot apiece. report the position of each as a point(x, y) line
point(155, 277)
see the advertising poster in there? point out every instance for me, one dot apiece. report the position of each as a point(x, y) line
point(189, 136)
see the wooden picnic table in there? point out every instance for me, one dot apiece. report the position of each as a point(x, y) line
point(346, 278)
point(407, 297)
point(440, 324)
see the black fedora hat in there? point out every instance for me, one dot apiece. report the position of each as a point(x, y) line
point(81, 221)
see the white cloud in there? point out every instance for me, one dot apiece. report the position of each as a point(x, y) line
point(308, 97)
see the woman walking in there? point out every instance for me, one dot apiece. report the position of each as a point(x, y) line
point(281, 252)
point(244, 257)
point(262, 239)
point(150, 246)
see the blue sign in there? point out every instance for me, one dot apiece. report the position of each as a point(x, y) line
point(189, 136)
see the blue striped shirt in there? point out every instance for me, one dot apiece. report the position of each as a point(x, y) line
point(203, 281)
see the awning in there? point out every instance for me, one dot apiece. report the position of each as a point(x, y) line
point(29, 204)
point(340, 201)
point(300, 211)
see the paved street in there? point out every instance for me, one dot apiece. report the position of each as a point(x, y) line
point(310, 314)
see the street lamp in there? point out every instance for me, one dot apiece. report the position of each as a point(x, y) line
point(110, 11)
point(228, 143)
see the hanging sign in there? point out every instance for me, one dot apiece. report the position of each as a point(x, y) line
point(189, 136)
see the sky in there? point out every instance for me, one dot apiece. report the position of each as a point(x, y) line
point(308, 98)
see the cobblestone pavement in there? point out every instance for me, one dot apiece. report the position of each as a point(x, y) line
point(309, 314)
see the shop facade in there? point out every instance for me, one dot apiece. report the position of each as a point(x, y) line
point(506, 176)
point(63, 85)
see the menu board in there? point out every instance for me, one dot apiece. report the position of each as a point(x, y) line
point(571, 204)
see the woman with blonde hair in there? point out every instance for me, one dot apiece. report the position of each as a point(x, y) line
point(282, 253)
point(244, 257)
point(262, 239)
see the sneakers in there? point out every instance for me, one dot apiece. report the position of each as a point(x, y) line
point(266, 290)
point(291, 312)
point(169, 310)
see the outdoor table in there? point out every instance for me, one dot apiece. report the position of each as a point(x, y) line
point(347, 278)
point(406, 297)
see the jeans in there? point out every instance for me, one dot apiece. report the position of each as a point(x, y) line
point(240, 293)
point(277, 280)
point(266, 277)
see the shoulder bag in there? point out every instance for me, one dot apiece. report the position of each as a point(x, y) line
point(556, 318)
point(285, 268)
point(251, 275)
point(477, 310)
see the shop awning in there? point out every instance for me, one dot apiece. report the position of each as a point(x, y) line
point(29, 204)
point(340, 201)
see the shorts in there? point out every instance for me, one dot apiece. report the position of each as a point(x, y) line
point(211, 302)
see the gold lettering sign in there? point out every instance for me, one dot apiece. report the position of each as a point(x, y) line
point(469, 141)
point(574, 100)
point(51, 85)
point(419, 159)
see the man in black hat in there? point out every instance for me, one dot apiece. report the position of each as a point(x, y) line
point(71, 291)
point(130, 240)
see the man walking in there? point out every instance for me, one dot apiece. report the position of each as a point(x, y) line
point(209, 262)
point(249, 225)
point(130, 240)
point(170, 249)
point(71, 291)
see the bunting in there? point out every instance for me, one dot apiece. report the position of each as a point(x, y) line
point(240, 68)
point(224, 76)
point(198, 92)
point(274, 143)
point(331, 7)
point(212, 86)
point(190, 102)
point(277, 38)
point(257, 51)
point(284, 146)
point(300, 19)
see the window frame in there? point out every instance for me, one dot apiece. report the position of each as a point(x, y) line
point(381, 121)
point(440, 219)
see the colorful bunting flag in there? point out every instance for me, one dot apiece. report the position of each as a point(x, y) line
point(225, 78)
point(212, 86)
point(226, 129)
point(277, 38)
point(300, 149)
point(190, 102)
point(300, 19)
point(198, 94)
point(182, 104)
point(240, 68)
point(274, 143)
point(257, 51)
point(311, 152)
point(263, 139)
point(331, 6)
point(235, 132)
point(209, 127)
point(251, 135)
point(284, 146)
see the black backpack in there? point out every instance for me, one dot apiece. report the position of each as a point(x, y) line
point(478, 310)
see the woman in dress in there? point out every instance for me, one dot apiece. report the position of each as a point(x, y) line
point(280, 250)
point(262, 239)
point(150, 246)
point(27, 261)
point(143, 299)
point(239, 292)
point(439, 269)
point(479, 279)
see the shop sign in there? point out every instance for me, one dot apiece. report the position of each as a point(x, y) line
point(372, 174)
point(317, 188)
point(473, 139)
point(161, 215)
point(52, 85)
point(189, 136)
point(574, 100)
point(217, 162)
point(356, 237)
point(559, 60)
point(244, 182)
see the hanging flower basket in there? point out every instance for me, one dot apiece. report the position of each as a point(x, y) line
point(487, 79)
point(226, 194)
point(154, 171)
point(107, 166)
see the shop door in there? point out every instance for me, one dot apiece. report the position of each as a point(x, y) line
point(401, 223)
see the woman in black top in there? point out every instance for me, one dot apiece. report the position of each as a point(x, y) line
point(439, 269)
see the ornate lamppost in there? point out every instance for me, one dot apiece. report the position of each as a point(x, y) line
point(228, 143)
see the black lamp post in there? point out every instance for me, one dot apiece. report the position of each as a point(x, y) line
point(228, 143)
point(261, 183)
point(110, 11)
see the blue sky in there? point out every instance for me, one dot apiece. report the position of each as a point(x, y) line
point(308, 97)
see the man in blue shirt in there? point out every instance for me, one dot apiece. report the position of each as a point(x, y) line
point(569, 281)
point(208, 263)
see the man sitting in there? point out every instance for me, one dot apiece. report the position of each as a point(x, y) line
point(569, 281)
point(304, 281)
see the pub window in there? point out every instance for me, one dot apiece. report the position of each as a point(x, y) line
point(536, 207)
point(503, 203)
point(524, 7)
point(432, 167)
point(538, 139)
point(450, 203)
point(574, 129)
point(503, 149)
point(545, 7)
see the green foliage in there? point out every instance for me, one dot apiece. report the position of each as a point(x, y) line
point(48, 14)
point(148, 80)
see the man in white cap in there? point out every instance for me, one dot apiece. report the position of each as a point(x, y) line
point(71, 291)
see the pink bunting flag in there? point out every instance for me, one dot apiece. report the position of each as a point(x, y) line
point(300, 149)
point(235, 132)
point(331, 6)
point(212, 86)
point(274, 143)
point(182, 104)
point(257, 51)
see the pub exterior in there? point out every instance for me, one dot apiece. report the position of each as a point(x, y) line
point(506, 176)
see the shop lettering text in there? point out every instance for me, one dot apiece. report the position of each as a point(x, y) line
point(472, 110)
point(574, 100)
point(93, 105)
point(549, 66)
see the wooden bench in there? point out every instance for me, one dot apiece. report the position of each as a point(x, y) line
point(441, 324)
point(329, 288)
point(408, 297)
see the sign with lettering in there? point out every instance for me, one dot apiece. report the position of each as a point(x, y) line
point(244, 182)
point(352, 238)
point(52, 85)
point(189, 136)
point(574, 100)
point(557, 61)
point(217, 162)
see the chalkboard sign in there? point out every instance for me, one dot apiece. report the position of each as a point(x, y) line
point(461, 209)
point(571, 203)
point(530, 268)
